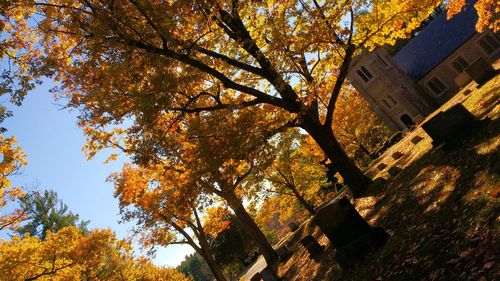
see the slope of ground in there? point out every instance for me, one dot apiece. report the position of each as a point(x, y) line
point(442, 211)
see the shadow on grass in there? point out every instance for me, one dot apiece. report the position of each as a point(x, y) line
point(441, 217)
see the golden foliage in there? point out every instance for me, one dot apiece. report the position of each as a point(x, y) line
point(138, 71)
point(487, 10)
point(70, 255)
point(12, 159)
point(216, 220)
point(358, 128)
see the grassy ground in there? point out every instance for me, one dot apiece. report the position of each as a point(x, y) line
point(442, 211)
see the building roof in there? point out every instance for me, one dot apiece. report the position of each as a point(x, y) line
point(436, 42)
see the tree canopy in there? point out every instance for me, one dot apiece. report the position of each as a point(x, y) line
point(155, 62)
point(70, 255)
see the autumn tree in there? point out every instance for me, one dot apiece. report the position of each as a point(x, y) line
point(166, 211)
point(296, 174)
point(46, 212)
point(114, 59)
point(191, 165)
point(274, 211)
point(19, 58)
point(144, 269)
point(68, 254)
point(241, 159)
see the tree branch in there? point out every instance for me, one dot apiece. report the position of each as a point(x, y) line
point(344, 68)
point(228, 83)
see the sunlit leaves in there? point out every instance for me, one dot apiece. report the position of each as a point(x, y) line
point(384, 22)
point(487, 10)
point(216, 220)
point(12, 159)
point(70, 255)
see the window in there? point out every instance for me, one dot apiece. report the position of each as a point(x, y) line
point(364, 74)
point(386, 104)
point(392, 99)
point(436, 85)
point(459, 64)
point(406, 119)
point(489, 44)
point(382, 61)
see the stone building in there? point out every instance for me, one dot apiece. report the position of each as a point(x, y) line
point(405, 87)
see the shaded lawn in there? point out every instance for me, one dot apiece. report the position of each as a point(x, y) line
point(442, 212)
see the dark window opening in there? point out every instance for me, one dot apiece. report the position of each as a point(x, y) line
point(364, 74)
point(436, 85)
point(459, 64)
point(382, 61)
point(489, 44)
point(406, 119)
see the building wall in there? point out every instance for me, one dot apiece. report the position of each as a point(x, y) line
point(390, 93)
point(446, 73)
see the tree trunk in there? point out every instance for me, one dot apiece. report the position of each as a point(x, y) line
point(323, 135)
point(309, 207)
point(203, 249)
point(250, 227)
point(212, 264)
point(365, 150)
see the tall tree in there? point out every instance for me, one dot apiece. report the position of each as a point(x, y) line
point(46, 212)
point(242, 157)
point(186, 157)
point(115, 59)
point(166, 211)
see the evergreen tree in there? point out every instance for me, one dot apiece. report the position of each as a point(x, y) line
point(45, 211)
point(195, 267)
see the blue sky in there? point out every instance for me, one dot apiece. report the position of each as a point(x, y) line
point(53, 143)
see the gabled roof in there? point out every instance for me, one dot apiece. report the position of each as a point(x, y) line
point(436, 42)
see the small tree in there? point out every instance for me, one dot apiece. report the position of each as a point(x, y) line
point(359, 130)
point(296, 173)
point(46, 212)
point(166, 211)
